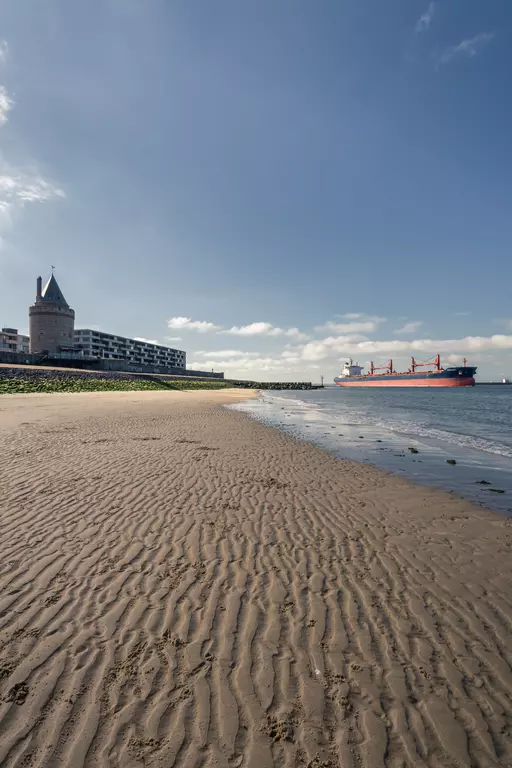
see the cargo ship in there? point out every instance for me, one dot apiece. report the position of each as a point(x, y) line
point(352, 375)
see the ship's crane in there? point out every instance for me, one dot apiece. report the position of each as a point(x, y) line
point(437, 363)
point(388, 367)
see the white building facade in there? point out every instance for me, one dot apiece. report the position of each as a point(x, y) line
point(12, 341)
point(137, 353)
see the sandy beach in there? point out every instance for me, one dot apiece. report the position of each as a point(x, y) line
point(182, 586)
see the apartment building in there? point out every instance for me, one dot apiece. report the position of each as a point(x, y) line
point(138, 353)
point(12, 341)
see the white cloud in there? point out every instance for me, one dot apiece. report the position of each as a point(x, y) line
point(409, 327)
point(254, 367)
point(345, 345)
point(24, 188)
point(466, 48)
point(255, 329)
point(228, 353)
point(172, 338)
point(294, 333)
point(265, 329)
point(425, 19)
point(187, 324)
point(147, 341)
point(6, 104)
point(359, 324)
point(352, 315)
point(461, 314)
point(452, 359)
point(331, 346)
point(19, 188)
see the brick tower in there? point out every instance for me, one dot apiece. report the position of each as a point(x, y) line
point(51, 320)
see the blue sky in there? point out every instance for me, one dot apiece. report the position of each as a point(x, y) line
point(243, 174)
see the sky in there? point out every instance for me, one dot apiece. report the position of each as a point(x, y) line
point(271, 185)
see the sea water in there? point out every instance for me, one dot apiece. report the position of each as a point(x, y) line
point(469, 425)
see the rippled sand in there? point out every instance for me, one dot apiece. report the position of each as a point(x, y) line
point(181, 586)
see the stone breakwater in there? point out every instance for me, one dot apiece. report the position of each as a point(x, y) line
point(272, 384)
point(63, 374)
point(46, 380)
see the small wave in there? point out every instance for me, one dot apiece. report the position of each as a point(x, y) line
point(268, 395)
point(354, 418)
point(442, 435)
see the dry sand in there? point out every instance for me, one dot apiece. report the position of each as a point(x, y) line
point(181, 586)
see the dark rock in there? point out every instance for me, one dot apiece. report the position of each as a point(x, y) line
point(482, 482)
point(495, 490)
point(451, 461)
point(413, 450)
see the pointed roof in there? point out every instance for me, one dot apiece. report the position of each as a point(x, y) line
point(52, 292)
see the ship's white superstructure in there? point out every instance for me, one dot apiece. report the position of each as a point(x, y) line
point(349, 369)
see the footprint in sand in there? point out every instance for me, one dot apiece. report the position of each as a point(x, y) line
point(279, 730)
point(18, 693)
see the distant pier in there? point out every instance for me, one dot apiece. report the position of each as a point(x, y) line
point(494, 383)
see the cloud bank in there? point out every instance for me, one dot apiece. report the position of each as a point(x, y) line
point(303, 361)
point(345, 345)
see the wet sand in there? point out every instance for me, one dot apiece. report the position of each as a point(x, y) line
point(182, 586)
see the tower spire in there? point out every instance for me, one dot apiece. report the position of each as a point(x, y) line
point(52, 292)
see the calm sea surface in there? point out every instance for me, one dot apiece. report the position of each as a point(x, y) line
point(472, 425)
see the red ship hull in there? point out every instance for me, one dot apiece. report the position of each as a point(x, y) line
point(371, 381)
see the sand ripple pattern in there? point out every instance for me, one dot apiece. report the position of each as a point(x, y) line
point(180, 586)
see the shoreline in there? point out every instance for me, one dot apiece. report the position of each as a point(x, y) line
point(424, 460)
point(181, 585)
